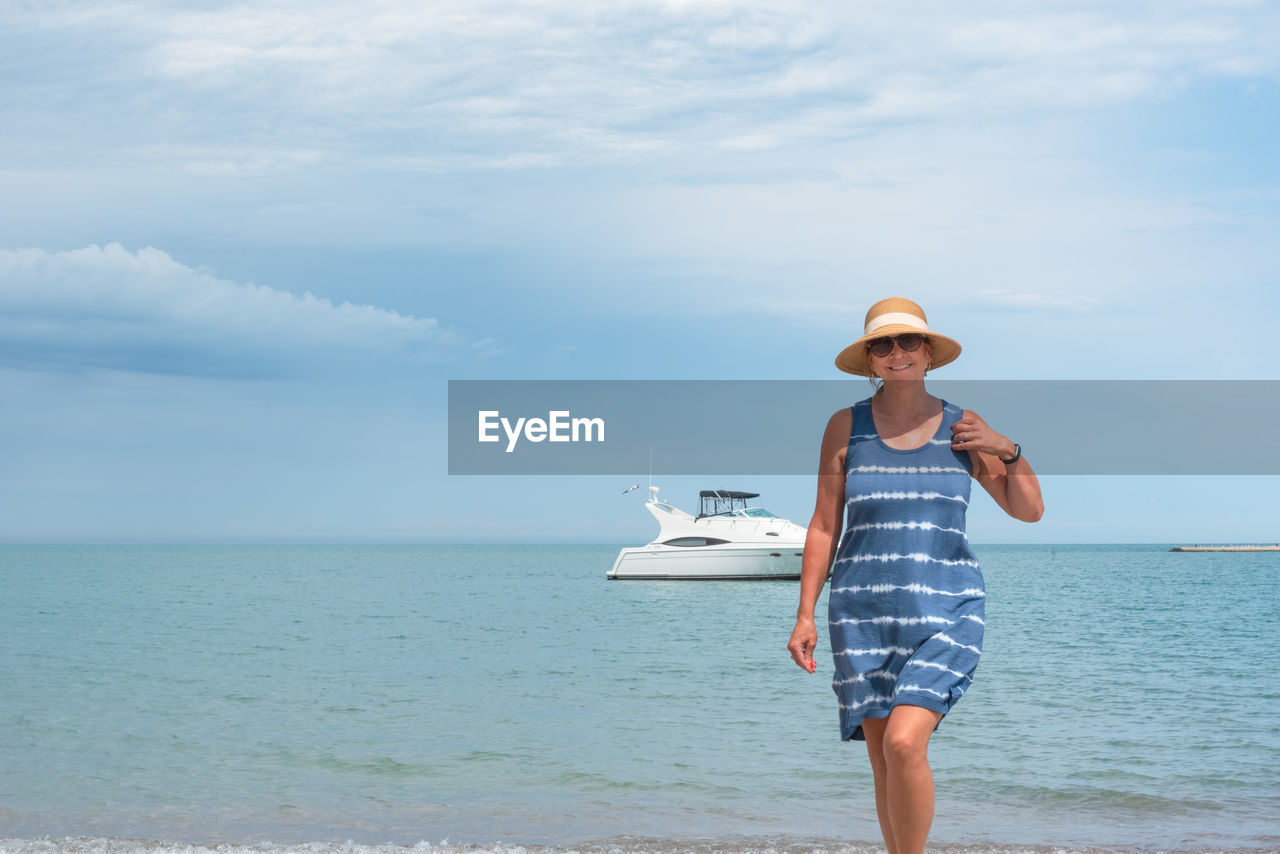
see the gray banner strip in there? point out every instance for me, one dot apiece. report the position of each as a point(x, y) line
point(731, 427)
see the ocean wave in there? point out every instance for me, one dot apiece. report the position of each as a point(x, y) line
point(620, 845)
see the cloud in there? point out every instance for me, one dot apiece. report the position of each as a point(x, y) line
point(1036, 302)
point(107, 307)
point(514, 84)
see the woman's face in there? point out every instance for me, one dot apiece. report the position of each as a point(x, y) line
point(900, 364)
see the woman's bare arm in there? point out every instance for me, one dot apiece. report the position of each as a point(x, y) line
point(823, 537)
point(1014, 487)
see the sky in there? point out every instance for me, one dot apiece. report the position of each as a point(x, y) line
point(244, 247)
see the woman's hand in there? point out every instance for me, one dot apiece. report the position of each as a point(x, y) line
point(804, 639)
point(971, 433)
point(1013, 484)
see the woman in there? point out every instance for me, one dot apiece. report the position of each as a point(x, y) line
point(906, 601)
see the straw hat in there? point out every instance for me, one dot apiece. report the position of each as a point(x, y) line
point(893, 316)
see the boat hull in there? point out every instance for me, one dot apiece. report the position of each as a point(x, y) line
point(776, 561)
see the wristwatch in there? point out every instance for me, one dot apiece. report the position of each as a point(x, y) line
point(1017, 455)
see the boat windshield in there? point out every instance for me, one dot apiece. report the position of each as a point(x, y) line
point(725, 502)
point(758, 512)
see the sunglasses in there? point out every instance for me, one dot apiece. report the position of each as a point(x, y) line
point(909, 342)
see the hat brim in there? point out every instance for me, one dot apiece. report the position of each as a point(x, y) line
point(853, 359)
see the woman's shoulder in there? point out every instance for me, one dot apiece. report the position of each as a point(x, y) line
point(845, 414)
point(840, 424)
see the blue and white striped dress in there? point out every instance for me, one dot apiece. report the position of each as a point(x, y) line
point(906, 600)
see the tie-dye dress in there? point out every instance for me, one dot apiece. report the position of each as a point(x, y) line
point(906, 599)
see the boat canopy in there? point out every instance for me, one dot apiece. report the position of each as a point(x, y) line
point(717, 501)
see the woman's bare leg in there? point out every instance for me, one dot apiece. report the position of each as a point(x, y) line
point(902, 742)
point(873, 729)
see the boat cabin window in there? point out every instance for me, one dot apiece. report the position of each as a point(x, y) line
point(694, 541)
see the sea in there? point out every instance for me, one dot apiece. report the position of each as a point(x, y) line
point(379, 699)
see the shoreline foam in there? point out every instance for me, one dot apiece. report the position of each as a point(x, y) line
point(618, 845)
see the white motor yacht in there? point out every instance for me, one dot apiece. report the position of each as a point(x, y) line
point(727, 540)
